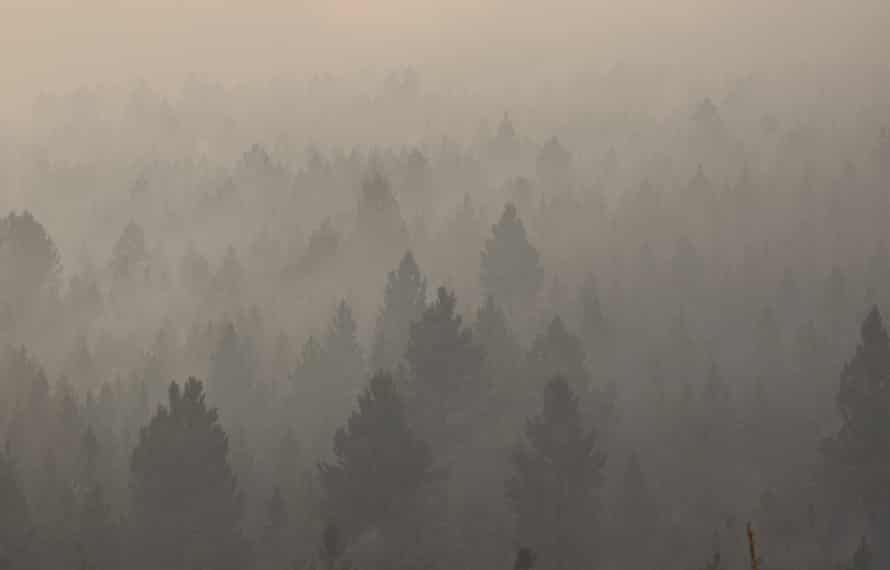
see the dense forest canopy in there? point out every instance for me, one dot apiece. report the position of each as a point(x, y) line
point(627, 317)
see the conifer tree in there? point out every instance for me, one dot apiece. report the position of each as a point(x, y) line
point(858, 454)
point(404, 301)
point(503, 354)
point(510, 265)
point(231, 377)
point(446, 368)
point(558, 470)
point(343, 355)
point(186, 506)
point(380, 470)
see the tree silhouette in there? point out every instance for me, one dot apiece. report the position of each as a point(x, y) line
point(380, 468)
point(186, 507)
point(558, 470)
point(30, 269)
point(130, 255)
point(859, 453)
point(510, 267)
point(404, 301)
point(446, 368)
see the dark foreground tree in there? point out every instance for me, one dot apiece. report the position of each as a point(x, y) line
point(553, 492)
point(186, 507)
point(858, 454)
point(446, 368)
point(377, 480)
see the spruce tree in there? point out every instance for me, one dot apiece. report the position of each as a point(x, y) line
point(343, 355)
point(859, 453)
point(510, 265)
point(404, 301)
point(445, 365)
point(380, 470)
point(186, 506)
point(558, 470)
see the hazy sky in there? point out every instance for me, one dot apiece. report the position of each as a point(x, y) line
point(50, 44)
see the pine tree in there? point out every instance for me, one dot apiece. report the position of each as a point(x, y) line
point(553, 492)
point(503, 354)
point(232, 373)
point(380, 469)
point(379, 218)
point(343, 355)
point(858, 454)
point(186, 507)
point(446, 371)
point(30, 268)
point(510, 265)
point(130, 255)
point(404, 301)
point(594, 330)
point(556, 351)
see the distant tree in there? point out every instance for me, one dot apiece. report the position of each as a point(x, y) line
point(232, 371)
point(553, 492)
point(30, 269)
point(379, 219)
point(380, 470)
point(594, 331)
point(554, 166)
point(331, 373)
point(186, 507)
point(510, 268)
point(858, 454)
point(503, 353)
point(445, 366)
point(345, 361)
point(637, 515)
point(227, 284)
point(556, 351)
point(505, 145)
point(323, 245)
point(129, 258)
point(194, 271)
point(404, 301)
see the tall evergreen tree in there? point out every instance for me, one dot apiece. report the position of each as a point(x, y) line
point(859, 453)
point(186, 506)
point(130, 254)
point(404, 301)
point(380, 469)
point(343, 355)
point(503, 353)
point(30, 269)
point(510, 267)
point(446, 371)
point(557, 351)
point(231, 377)
point(594, 330)
point(553, 492)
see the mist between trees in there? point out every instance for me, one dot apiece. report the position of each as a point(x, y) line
point(598, 331)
